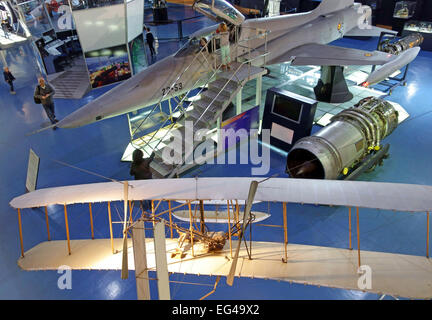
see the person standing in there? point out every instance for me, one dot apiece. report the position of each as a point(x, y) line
point(150, 41)
point(5, 27)
point(140, 169)
point(44, 92)
point(9, 78)
point(223, 34)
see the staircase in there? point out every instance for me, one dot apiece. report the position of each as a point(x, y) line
point(73, 83)
point(223, 86)
point(204, 114)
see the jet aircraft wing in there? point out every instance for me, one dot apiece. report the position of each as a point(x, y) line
point(325, 55)
point(372, 31)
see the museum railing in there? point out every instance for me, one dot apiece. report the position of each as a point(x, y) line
point(201, 53)
point(246, 54)
point(175, 170)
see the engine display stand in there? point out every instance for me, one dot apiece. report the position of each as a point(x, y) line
point(332, 86)
point(369, 163)
point(392, 82)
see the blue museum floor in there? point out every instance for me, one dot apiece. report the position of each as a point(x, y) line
point(99, 147)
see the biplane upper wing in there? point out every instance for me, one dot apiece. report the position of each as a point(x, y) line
point(377, 195)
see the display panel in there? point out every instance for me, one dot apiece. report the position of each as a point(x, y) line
point(94, 26)
point(419, 26)
point(287, 108)
point(87, 4)
point(247, 120)
point(283, 134)
point(135, 18)
point(137, 54)
point(404, 9)
point(107, 66)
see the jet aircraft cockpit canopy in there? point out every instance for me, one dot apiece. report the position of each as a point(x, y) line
point(219, 10)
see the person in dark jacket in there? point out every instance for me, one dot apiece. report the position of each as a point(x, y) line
point(140, 169)
point(6, 28)
point(150, 41)
point(45, 93)
point(9, 78)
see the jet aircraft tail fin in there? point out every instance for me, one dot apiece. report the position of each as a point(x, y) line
point(329, 6)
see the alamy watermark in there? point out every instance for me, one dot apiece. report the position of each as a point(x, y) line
point(65, 280)
point(365, 280)
point(363, 22)
point(197, 147)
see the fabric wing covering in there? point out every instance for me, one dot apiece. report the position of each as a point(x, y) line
point(377, 195)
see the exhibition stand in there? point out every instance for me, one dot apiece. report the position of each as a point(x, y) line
point(422, 27)
point(112, 41)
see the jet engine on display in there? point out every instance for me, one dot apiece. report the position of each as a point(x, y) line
point(410, 41)
point(347, 143)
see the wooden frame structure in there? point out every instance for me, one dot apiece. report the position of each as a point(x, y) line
point(418, 197)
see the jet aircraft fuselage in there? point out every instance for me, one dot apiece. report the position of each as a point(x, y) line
point(183, 70)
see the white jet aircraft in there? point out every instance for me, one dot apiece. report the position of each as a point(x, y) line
point(301, 38)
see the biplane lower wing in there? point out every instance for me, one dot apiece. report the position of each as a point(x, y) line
point(393, 274)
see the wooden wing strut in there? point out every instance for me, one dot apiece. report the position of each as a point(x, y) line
point(252, 190)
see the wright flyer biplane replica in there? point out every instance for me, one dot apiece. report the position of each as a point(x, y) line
point(193, 248)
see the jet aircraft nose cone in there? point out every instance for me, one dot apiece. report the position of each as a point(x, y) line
point(141, 90)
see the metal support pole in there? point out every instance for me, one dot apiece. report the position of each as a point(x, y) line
point(218, 130)
point(258, 93)
point(191, 228)
point(180, 29)
point(229, 228)
point(358, 238)
point(170, 109)
point(239, 101)
point(47, 223)
point(130, 127)
point(47, 15)
point(285, 232)
point(91, 221)
point(67, 229)
point(20, 232)
point(110, 226)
